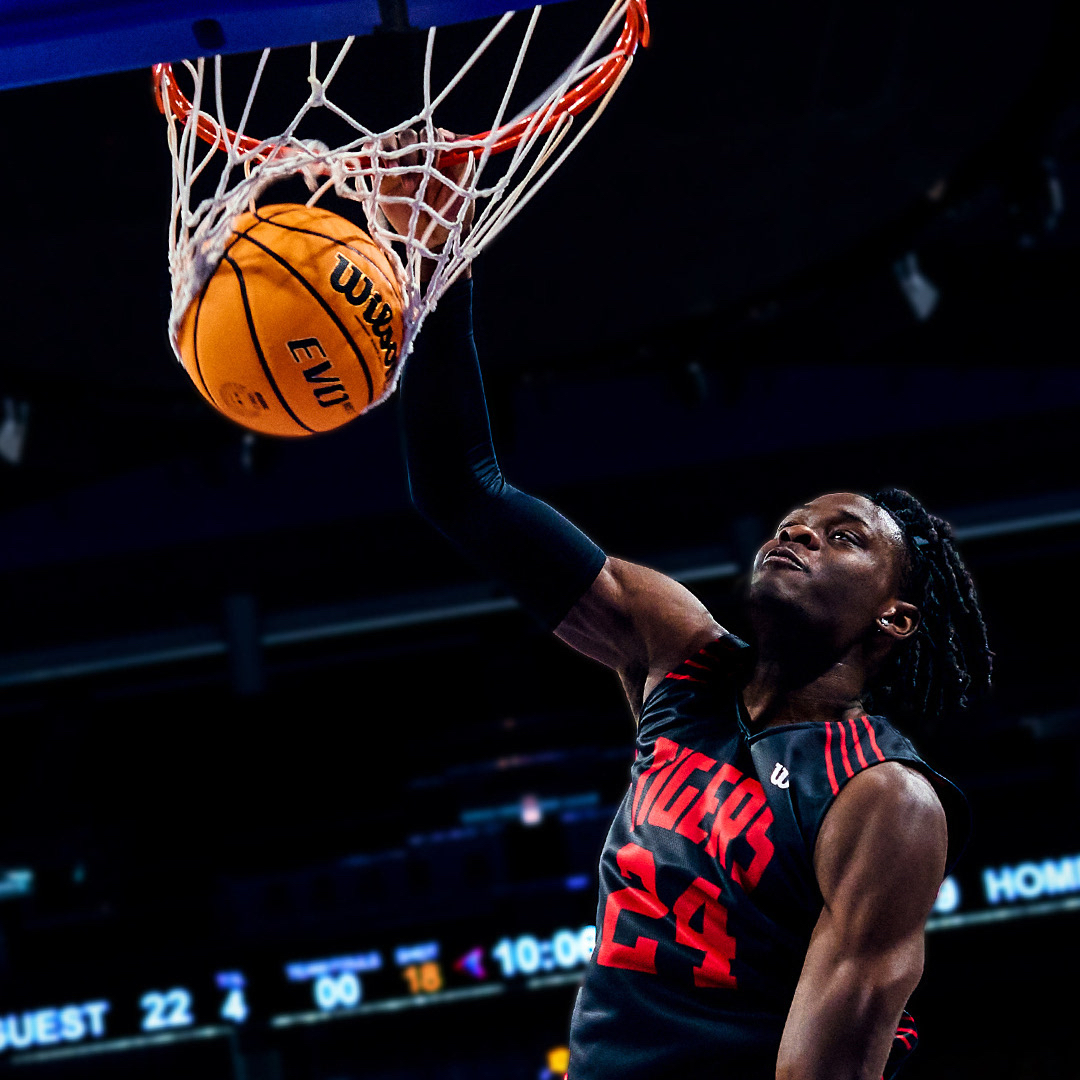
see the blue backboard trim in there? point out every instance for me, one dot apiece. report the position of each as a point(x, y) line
point(53, 40)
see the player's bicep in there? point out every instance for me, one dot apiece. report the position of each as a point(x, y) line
point(879, 860)
point(881, 852)
point(636, 621)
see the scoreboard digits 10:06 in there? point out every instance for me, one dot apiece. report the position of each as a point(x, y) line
point(527, 955)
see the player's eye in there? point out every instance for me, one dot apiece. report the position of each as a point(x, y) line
point(850, 537)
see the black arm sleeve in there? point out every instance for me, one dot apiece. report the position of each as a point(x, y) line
point(456, 483)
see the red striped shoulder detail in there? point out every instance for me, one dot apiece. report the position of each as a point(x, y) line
point(686, 678)
point(829, 770)
point(851, 759)
point(858, 744)
point(873, 740)
point(843, 751)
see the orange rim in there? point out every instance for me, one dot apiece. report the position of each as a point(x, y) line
point(171, 100)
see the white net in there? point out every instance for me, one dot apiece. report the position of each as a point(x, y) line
point(374, 168)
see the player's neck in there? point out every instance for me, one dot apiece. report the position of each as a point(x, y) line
point(775, 695)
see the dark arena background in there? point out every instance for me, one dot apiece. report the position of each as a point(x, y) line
point(292, 792)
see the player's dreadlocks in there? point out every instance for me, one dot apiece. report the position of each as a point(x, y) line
point(947, 663)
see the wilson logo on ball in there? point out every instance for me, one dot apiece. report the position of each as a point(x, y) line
point(299, 328)
point(345, 279)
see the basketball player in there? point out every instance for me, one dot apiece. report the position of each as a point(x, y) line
point(765, 885)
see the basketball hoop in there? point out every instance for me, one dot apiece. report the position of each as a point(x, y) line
point(530, 147)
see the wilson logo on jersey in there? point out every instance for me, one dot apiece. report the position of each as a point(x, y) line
point(780, 776)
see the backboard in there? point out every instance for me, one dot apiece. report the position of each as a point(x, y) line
point(52, 40)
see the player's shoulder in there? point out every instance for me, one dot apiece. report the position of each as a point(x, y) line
point(888, 816)
point(917, 790)
point(859, 766)
point(878, 778)
point(894, 789)
point(719, 662)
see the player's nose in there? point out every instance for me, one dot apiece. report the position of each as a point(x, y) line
point(799, 534)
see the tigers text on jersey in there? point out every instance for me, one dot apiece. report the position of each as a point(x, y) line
point(707, 890)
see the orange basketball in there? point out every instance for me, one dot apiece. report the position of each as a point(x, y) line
point(299, 329)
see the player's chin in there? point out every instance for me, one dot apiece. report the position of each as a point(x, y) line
point(774, 598)
point(772, 581)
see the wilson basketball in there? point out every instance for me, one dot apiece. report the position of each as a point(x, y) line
point(299, 328)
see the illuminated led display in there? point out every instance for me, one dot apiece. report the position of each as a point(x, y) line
point(50, 1026)
point(400, 975)
point(526, 955)
point(314, 969)
point(340, 991)
point(948, 897)
point(424, 978)
point(404, 955)
point(1031, 880)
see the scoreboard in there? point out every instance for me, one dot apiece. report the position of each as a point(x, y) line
point(424, 972)
point(385, 975)
point(212, 1003)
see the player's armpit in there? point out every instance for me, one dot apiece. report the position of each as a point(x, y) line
point(639, 622)
point(879, 860)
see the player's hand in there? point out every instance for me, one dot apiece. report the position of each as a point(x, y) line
point(439, 195)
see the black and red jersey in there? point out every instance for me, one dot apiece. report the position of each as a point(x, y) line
point(707, 891)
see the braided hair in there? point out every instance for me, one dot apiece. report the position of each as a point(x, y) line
point(947, 663)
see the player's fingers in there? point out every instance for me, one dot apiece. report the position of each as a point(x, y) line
point(455, 171)
point(408, 137)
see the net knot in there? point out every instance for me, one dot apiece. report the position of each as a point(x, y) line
point(317, 98)
point(315, 169)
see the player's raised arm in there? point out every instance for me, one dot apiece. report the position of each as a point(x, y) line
point(626, 616)
point(879, 861)
point(632, 619)
point(456, 483)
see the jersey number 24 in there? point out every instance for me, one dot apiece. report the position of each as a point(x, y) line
point(702, 896)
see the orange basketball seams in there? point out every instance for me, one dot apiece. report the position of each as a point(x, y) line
point(299, 329)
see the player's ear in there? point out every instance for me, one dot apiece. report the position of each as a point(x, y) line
point(899, 620)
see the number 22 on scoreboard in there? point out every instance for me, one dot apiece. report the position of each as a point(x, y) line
point(171, 1009)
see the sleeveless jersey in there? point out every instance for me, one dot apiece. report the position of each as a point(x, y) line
point(707, 889)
